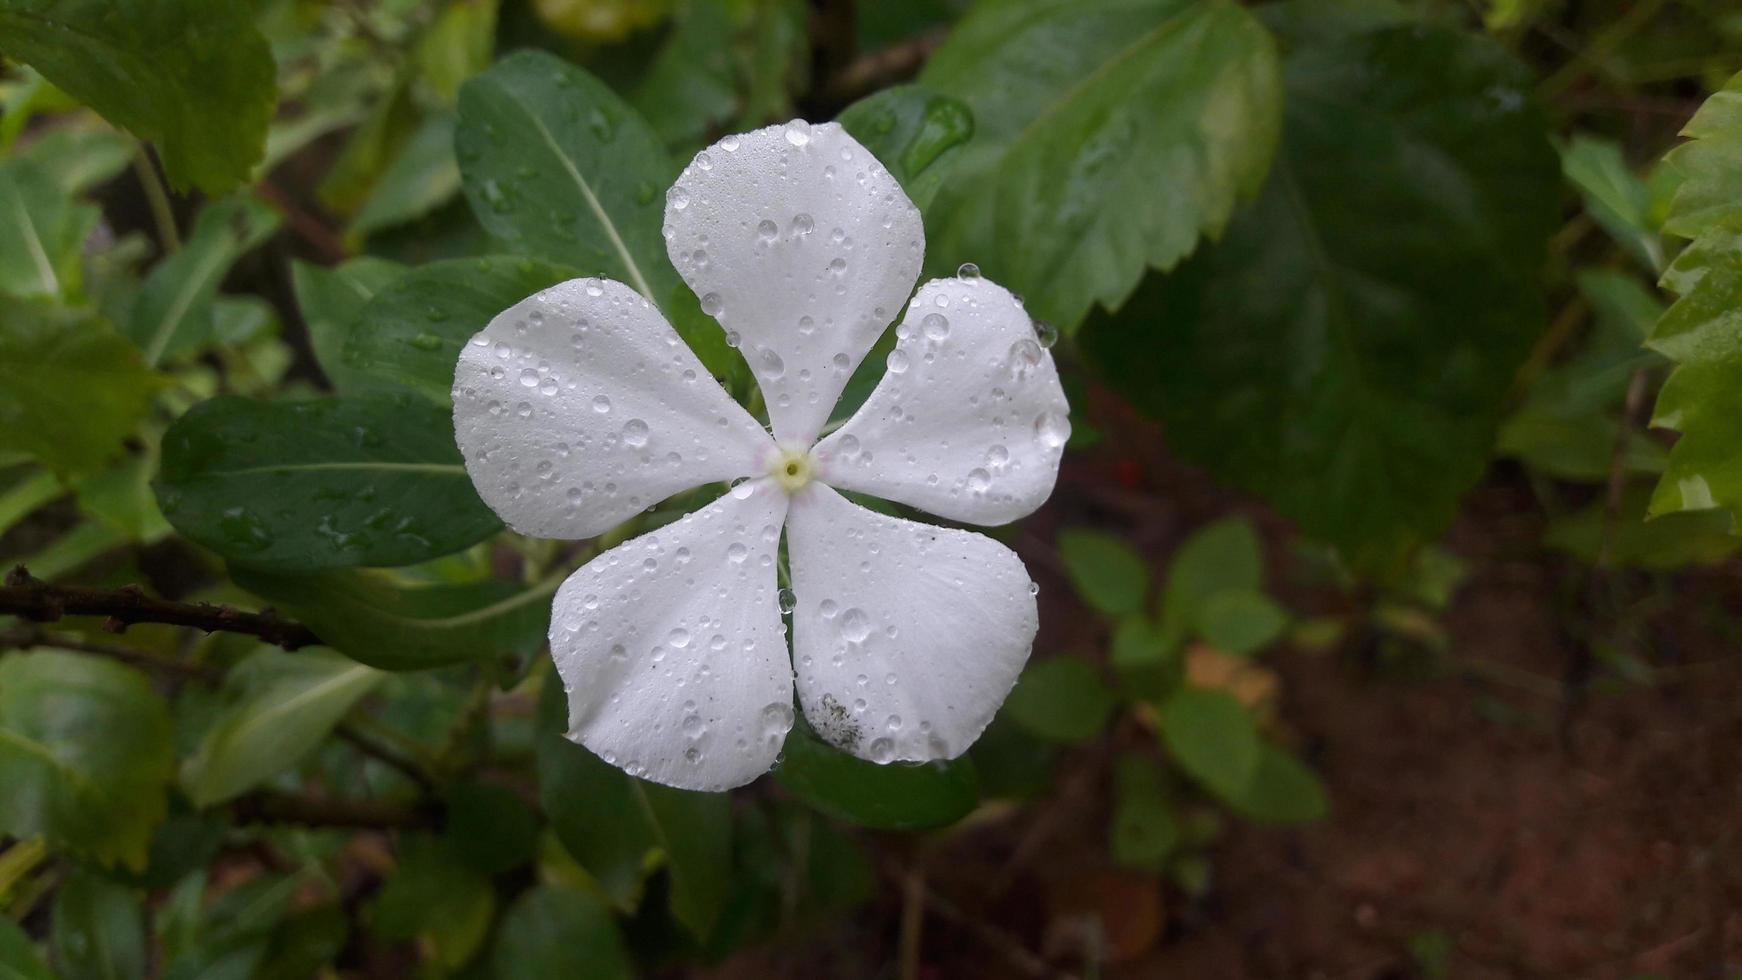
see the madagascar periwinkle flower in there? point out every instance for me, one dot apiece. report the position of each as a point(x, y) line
point(580, 407)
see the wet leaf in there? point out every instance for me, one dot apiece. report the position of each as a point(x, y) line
point(897, 796)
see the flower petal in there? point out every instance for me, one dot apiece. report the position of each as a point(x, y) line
point(969, 421)
point(580, 406)
point(799, 242)
point(671, 648)
point(907, 637)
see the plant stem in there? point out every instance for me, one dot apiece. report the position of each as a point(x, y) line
point(157, 196)
point(30, 598)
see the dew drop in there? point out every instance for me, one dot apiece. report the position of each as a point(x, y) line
point(677, 197)
point(979, 480)
point(936, 326)
point(968, 271)
point(897, 361)
point(767, 230)
point(712, 304)
point(802, 225)
point(528, 377)
point(787, 601)
point(1052, 429)
point(601, 404)
point(855, 625)
point(635, 433)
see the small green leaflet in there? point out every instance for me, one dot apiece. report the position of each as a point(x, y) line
point(85, 754)
point(331, 301)
point(299, 486)
point(71, 388)
point(1062, 699)
point(173, 313)
point(280, 706)
point(1106, 572)
point(193, 76)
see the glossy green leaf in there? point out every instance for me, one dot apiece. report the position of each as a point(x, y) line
point(394, 626)
point(1614, 196)
point(619, 827)
point(1346, 349)
point(1239, 621)
point(1062, 699)
point(410, 333)
point(71, 388)
point(98, 931)
point(309, 485)
point(1281, 791)
point(331, 301)
point(19, 959)
point(85, 754)
point(1107, 573)
point(278, 707)
point(892, 797)
point(918, 134)
point(1702, 331)
point(423, 177)
point(192, 76)
point(1145, 830)
point(173, 314)
point(1213, 738)
point(1110, 135)
point(42, 233)
point(556, 165)
point(550, 932)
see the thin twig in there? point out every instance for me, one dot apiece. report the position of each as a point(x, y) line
point(388, 756)
point(1005, 944)
point(912, 923)
point(30, 598)
point(1636, 390)
point(29, 637)
point(881, 68)
point(277, 808)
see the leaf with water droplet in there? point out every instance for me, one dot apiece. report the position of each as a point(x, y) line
point(914, 131)
point(898, 796)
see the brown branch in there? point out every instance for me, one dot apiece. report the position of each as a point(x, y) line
point(878, 69)
point(30, 598)
point(308, 811)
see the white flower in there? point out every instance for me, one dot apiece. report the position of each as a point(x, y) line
point(581, 407)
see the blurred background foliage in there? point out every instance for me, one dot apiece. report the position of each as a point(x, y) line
point(1355, 257)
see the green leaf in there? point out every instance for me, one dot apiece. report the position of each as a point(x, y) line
point(42, 233)
point(1240, 621)
point(618, 827)
point(85, 754)
point(71, 389)
point(192, 76)
point(99, 930)
point(1107, 573)
point(490, 827)
point(309, 485)
point(279, 706)
point(410, 333)
point(691, 85)
point(892, 797)
point(1083, 111)
point(1220, 557)
point(439, 901)
point(1710, 165)
point(1145, 831)
point(393, 626)
point(331, 301)
point(1627, 540)
point(557, 166)
point(915, 132)
point(1346, 349)
point(1062, 699)
point(19, 959)
point(1213, 738)
point(550, 932)
point(78, 157)
point(1281, 791)
point(423, 177)
point(173, 314)
point(1702, 331)
point(1614, 196)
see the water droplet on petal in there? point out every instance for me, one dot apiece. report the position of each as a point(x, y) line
point(968, 271)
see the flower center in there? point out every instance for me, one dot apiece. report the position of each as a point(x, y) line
point(791, 468)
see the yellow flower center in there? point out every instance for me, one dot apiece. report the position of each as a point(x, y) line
point(791, 469)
